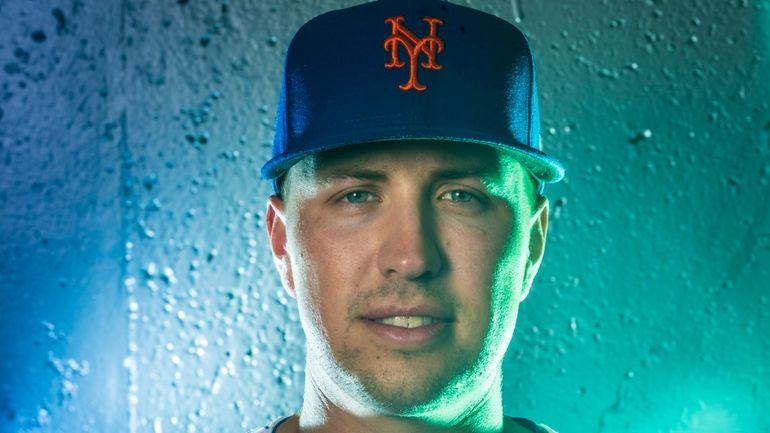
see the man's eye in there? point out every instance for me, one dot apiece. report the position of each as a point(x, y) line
point(357, 197)
point(458, 196)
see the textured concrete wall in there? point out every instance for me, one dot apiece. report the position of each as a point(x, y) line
point(62, 309)
point(136, 292)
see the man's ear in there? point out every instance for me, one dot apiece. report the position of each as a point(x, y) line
point(275, 223)
point(538, 229)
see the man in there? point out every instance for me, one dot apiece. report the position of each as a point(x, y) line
point(408, 220)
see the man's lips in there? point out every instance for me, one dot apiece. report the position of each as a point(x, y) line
point(408, 321)
point(407, 326)
point(388, 312)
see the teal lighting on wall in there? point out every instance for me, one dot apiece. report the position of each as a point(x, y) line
point(763, 34)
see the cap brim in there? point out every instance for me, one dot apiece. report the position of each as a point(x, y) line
point(542, 166)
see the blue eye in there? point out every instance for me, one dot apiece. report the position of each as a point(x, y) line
point(460, 196)
point(357, 197)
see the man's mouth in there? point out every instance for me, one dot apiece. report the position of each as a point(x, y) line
point(407, 321)
point(408, 327)
point(408, 332)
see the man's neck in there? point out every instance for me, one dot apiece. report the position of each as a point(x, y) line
point(323, 412)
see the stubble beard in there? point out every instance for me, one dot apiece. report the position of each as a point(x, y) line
point(391, 382)
point(403, 383)
point(407, 382)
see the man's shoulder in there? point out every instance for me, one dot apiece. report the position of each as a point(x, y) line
point(531, 425)
point(545, 429)
point(272, 427)
point(265, 429)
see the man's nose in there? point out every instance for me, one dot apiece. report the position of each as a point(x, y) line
point(411, 244)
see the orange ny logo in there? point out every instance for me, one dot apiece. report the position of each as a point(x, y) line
point(429, 45)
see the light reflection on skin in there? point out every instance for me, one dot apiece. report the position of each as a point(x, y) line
point(456, 227)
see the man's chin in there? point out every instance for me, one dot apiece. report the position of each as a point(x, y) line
point(409, 394)
point(408, 383)
point(403, 401)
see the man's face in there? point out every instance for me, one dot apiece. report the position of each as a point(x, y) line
point(408, 261)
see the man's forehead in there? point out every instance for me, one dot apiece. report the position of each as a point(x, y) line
point(451, 159)
point(499, 172)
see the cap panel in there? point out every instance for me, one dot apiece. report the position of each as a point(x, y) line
point(454, 73)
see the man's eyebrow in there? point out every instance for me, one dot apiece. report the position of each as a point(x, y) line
point(462, 173)
point(352, 173)
point(381, 176)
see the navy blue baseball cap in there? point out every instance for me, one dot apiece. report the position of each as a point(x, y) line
point(409, 69)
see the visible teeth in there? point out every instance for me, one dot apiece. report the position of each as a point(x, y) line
point(407, 321)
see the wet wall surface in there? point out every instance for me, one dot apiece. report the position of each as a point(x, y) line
point(136, 290)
